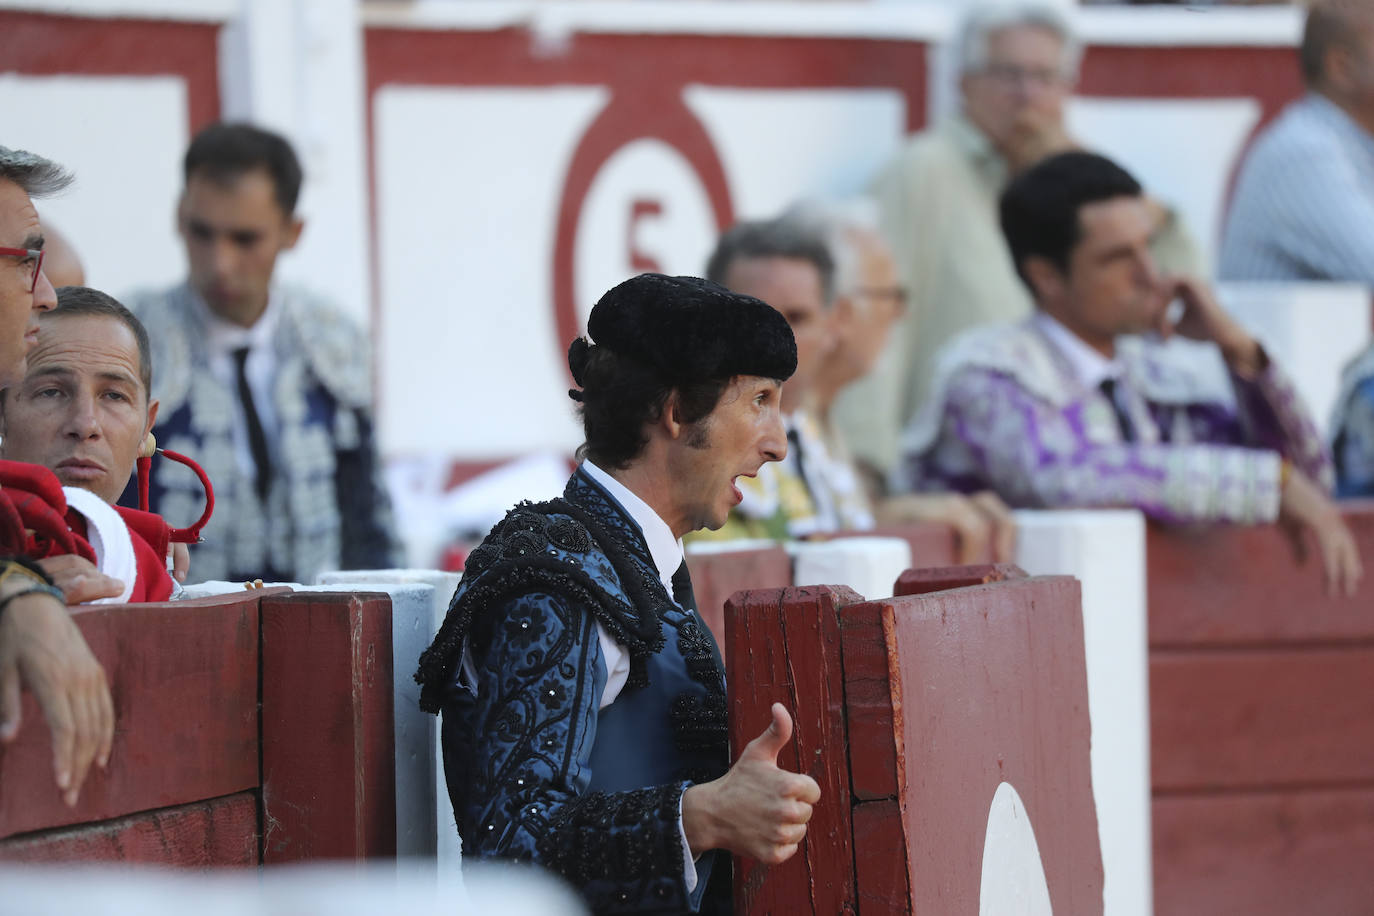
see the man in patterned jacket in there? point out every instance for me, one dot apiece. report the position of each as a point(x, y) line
point(1090, 403)
point(265, 384)
point(583, 698)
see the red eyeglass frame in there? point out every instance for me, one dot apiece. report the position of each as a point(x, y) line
point(27, 253)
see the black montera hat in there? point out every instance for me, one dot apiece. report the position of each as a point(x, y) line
point(688, 330)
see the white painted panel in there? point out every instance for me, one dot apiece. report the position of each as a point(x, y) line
point(124, 138)
point(1181, 150)
point(468, 186)
point(1310, 329)
point(869, 565)
point(1105, 550)
point(781, 144)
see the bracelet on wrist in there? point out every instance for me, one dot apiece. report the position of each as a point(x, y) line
point(37, 589)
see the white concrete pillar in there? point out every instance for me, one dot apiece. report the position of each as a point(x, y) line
point(1105, 551)
point(869, 565)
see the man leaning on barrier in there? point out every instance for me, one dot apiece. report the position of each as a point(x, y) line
point(583, 698)
point(40, 646)
point(1086, 405)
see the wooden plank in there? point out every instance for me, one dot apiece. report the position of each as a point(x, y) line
point(1250, 718)
point(771, 637)
point(869, 672)
point(1240, 585)
point(184, 680)
point(329, 781)
point(1265, 854)
point(718, 575)
point(943, 578)
point(993, 689)
point(216, 833)
point(883, 885)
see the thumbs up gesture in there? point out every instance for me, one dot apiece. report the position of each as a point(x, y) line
point(756, 809)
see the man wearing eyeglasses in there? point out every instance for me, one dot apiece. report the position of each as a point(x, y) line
point(265, 383)
point(1017, 66)
point(40, 646)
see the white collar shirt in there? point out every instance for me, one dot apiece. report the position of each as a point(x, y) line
point(1089, 367)
point(222, 338)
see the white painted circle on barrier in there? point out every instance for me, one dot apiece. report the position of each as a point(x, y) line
point(1013, 882)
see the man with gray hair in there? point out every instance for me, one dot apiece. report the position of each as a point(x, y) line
point(1018, 63)
point(788, 265)
point(868, 302)
point(40, 647)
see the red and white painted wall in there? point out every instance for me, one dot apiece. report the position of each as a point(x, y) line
point(478, 172)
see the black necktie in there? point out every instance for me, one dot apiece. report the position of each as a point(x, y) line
point(682, 589)
point(257, 440)
point(687, 600)
point(1123, 419)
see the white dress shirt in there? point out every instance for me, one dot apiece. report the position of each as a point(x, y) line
point(222, 338)
point(1090, 367)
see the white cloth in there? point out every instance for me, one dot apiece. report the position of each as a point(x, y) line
point(221, 340)
point(109, 537)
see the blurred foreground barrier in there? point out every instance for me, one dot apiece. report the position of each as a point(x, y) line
point(250, 728)
point(949, 734)
point(1262, 725)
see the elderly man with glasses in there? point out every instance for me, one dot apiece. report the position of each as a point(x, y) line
point(40, 646)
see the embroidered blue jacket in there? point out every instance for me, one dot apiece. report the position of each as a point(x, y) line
point(535, 771)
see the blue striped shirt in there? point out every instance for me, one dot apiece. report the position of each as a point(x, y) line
point(1303, 207)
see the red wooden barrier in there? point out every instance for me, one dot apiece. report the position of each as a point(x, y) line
point(328, 771)
point(225, 707)
point(1262, 725)
point(910, 720)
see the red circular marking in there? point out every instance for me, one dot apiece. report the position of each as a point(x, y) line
point(630, 116)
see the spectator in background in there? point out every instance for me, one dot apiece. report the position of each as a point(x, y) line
point(1075, 407)
point(1017, 63)
point(40, 646)
point(268, 385)
point(1303, 207)
point(868, 301)
point(1353, 444)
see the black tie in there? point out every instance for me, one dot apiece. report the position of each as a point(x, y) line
point(687, 600)
point(257, 440)
point(1123, 419)
point(682, 589)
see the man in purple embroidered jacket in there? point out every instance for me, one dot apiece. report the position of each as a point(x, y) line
point(1104, 397)
point(583, 698)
